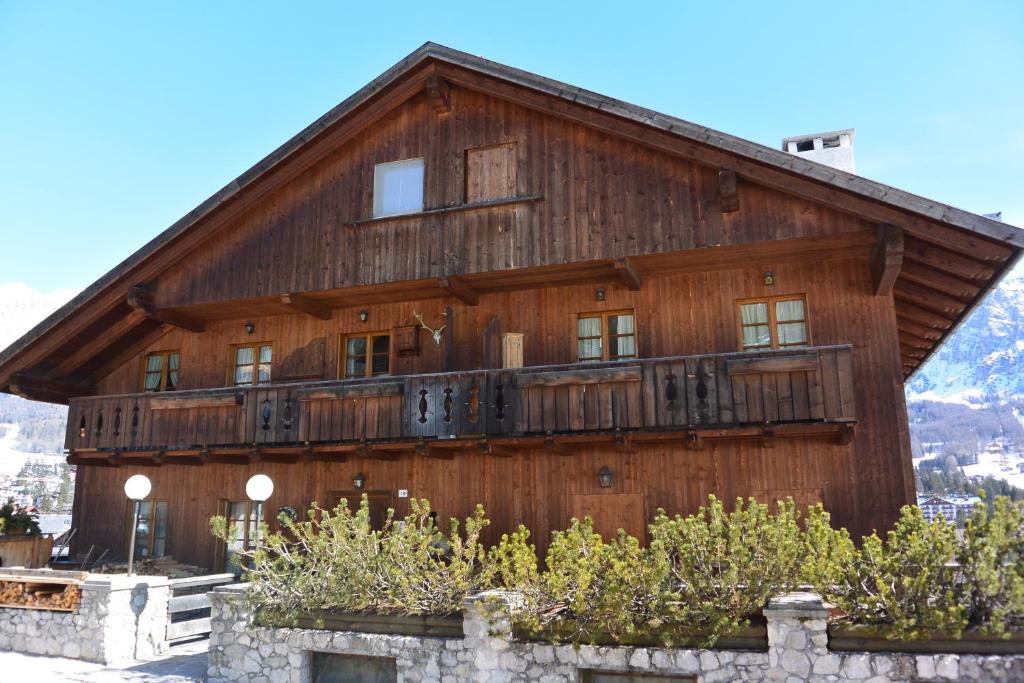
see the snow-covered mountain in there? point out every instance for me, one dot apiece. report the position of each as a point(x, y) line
point(22, 307)
point(983, 361)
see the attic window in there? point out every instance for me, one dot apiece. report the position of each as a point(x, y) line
point(398, 187)
point(830, 142)
point(805, 145)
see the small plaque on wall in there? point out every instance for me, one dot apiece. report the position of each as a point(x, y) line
point(407, 340)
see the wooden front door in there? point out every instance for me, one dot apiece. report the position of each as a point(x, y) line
point(379, 502)
point(611, 512)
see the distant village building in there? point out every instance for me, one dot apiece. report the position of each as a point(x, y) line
point(952, 508)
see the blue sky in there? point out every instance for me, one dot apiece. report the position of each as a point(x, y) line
point(118, 118)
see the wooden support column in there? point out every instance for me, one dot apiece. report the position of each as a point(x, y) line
point(438, 94)
point(140, 299)
point(728, 197)
point(626, 271)
point(886, 259)
point(303, 304)
point(454, 287)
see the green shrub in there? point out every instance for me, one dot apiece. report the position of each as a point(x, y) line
point(905, 585)
point(335, 560)
point(991, 559)
point(723, 566)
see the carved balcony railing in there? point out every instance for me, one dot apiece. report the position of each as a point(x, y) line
point(706, 394)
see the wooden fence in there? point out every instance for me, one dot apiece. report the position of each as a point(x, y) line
point(188, 610)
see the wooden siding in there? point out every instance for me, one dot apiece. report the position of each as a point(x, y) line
point(599, 196)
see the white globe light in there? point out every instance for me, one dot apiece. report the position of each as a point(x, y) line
point(137, 487)
point(259, 487)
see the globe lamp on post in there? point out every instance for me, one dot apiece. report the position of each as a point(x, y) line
point(258, 489)
point(136, 488)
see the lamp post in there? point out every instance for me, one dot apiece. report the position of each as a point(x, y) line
point(259, 488)
point(136, 488)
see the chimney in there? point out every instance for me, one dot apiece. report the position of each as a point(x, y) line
point(833, 149)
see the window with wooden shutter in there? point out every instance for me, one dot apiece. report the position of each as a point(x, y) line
point(491, 173)
point(773, 323)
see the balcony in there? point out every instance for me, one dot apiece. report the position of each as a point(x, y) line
point(691, 398)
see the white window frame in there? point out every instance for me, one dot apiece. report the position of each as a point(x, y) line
point(380, 173)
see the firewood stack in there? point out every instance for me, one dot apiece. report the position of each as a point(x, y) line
point(36, 595)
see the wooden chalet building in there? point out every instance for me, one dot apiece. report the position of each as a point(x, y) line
point(609, 290)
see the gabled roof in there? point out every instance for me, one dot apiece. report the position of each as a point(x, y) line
point(993, 244)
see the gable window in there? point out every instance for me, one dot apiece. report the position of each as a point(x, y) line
point(252, 364)
point(366, 355)
point(398, 187)
point(491, 173)
point(773, 323)
point(605, 336)
point(150, 529)
point(160, 371)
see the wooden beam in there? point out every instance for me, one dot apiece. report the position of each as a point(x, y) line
point(552, 445)
point(767, 438)
point(911, 352)
point(947, 284)
point(98, 343)
point(624, 442)
point(51, 390)
point(561, 378)
point(915, 341)
point(130, 351)
point(886, 259)
point(458, 289)
point(694, 441)
point(626, 271)
point(917, 329)
point(929, 298)
point(728, 197)
point(489, 448)
point(438, 94)
point(924, 317)
point(845, 435)
point(303, 304)
point(140, 299)
point(947, 261)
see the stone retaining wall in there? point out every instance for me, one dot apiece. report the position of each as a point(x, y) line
point(797, 651)
point(119, 619)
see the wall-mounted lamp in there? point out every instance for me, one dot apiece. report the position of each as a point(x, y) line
point(769, 277)
point(364, 315)
point(604, 477)
point(599, 294)
point(359, 481)
point(250, 327)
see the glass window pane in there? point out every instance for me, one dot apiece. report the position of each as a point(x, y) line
point(355, 346)
point(398, 187)
point(380, 343)
point(243, 374)
point(155, 362)
point(355, 366)
point(622, 347)
point(589, 327)
point(244, 355)
point(266, 353)
point(756, 335)
point(792, 333)
point(754, 313)
point(380, 364)
point(153, 381)
point(172, 372)
point(620, 324)
point(590, 349)
point(789, 310)
point(264, 373)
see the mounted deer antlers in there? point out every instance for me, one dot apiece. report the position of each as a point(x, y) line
point(436, 334)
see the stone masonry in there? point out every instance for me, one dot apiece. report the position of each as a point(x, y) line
point(119, 619)
point(797, 651)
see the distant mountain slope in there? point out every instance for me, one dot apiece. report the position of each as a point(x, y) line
point(984, 359)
